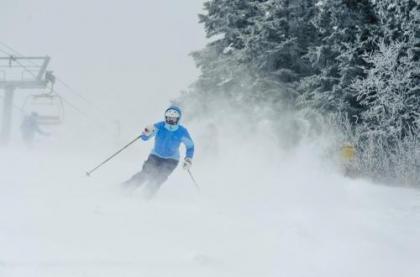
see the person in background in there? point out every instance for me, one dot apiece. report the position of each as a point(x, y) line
point(348, 160)
point(30, 128)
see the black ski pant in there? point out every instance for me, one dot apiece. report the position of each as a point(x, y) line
point(155, 172)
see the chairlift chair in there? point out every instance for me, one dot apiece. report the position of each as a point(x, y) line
point(48, 106)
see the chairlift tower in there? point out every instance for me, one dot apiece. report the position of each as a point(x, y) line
point(19, 73)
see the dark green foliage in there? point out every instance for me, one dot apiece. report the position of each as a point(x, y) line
point(258, 50)
point(354, 58)
point(346, 31)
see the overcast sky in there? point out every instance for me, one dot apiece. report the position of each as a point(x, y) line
point(128, 55)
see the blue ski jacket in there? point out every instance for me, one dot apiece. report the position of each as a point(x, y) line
point(168, 141)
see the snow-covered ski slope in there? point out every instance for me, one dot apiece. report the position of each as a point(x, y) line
point(259, 213)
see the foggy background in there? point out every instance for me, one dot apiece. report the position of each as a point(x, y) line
point(261, 211)
point(133, 51)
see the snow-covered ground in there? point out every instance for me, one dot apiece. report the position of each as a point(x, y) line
point(259, 213)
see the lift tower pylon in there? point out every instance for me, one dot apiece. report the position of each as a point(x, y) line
point(19, 73)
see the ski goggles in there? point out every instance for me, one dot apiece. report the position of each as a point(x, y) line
point(172, 117)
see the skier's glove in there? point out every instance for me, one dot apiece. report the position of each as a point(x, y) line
point(187, 163)
point(149, 130)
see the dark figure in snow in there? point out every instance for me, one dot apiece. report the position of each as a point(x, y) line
point(164, 158)
point(30, 128)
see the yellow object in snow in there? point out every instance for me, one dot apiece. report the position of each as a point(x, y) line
point(348, 152)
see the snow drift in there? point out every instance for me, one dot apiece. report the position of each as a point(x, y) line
point(260, 212)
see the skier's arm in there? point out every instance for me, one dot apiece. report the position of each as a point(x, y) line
point(149, 132)
point(189, 144)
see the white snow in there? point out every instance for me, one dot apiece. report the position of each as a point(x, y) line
point(260, 213)
point(228, 49)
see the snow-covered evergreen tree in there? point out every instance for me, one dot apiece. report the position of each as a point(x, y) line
point(258, 48)
point(346, 31)
point(389, 93)
point(353, 59)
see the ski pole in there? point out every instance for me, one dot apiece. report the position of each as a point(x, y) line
point(88, 173)
point(194, 181)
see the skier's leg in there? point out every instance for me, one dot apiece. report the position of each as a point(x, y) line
point(147, 172)
point(165, 168)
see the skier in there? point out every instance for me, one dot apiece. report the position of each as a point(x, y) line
point(164, 158)
point(30, 127)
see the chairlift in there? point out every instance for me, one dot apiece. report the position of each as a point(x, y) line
point(48, 106)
